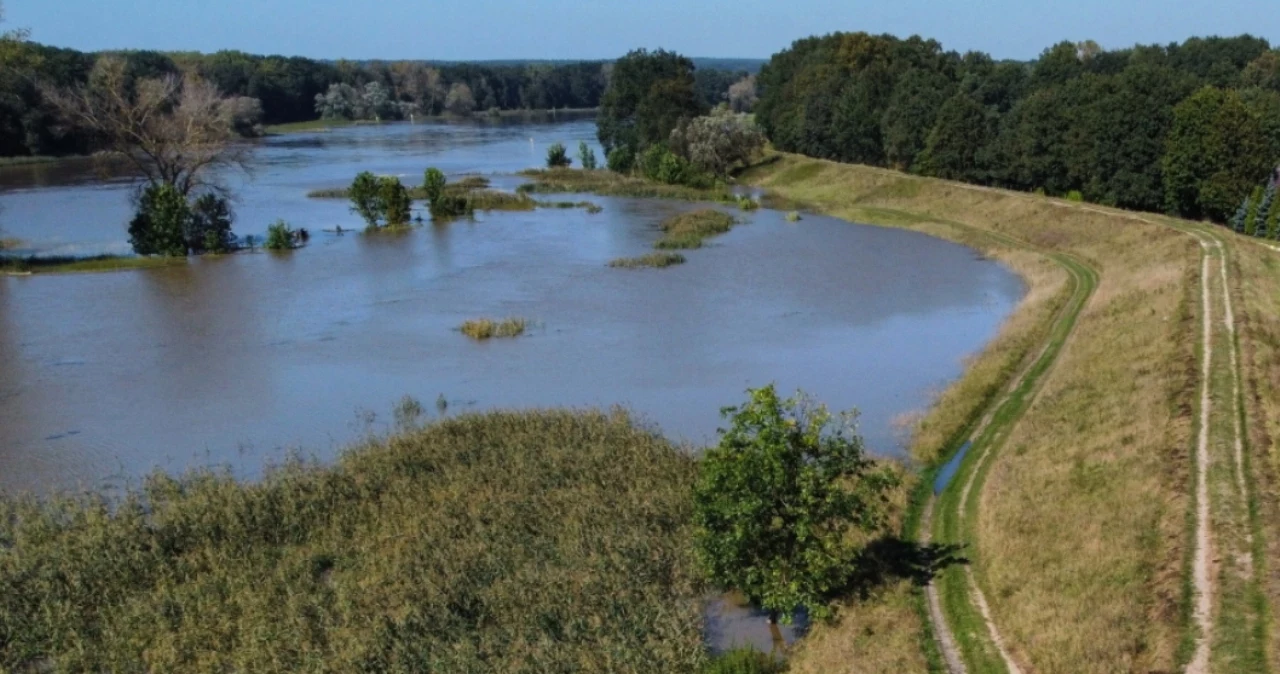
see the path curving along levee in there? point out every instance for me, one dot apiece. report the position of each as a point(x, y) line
point(955, 597)
point(962, 625)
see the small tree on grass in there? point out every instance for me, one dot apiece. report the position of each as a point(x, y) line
point(776, 499)
point(395, 201)
point(586, 156)
point(366, 198)
point(558, 156)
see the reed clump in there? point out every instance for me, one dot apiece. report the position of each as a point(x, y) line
point(659, 260)
point(511, 542)
point(487, 328)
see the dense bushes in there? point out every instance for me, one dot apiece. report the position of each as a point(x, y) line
point(1185, 128)
point(558, 156)
point(512, 542)
point(165, 223)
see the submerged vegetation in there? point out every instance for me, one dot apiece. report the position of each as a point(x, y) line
point(95, 263)
point(488, 328)
point(513, 542)
point(689, 230)
point(658, 260)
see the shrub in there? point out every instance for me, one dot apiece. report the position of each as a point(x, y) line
point(586, 156)
point(719, 142)
point(776, 499)
point(366, 198)
point(433, 184)
point(793, 216)
point(160, 225)
point(280, 236)
point(557, 156)
point(395, 201)
point(621, 159)
point(746, 203)
point(660, 164)
point(1251, 220)
point(1075, 195)
point(209, 230)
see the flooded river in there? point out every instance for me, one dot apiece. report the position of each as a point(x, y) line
point(238, 360)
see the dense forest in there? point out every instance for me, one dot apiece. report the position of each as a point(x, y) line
point(293, 89)
point(1191, 128)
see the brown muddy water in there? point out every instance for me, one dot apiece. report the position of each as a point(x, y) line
point(237, 361)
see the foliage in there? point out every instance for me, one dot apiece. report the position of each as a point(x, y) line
point(513, 542)
point(776, 498)
point(487, 328)
point(1266, 204)
point(620, 159)
point(366, 198)
point(460, 101)
point(1125, 128)
point(209, 227)
point(649, 93)
point(433, 184)
point(558, 156)
point(743, 94)
point(394, 201)
point(1215, 155)
point(280, 236)
point(160, 225)
point(586, 156)
point(719, 142)
point(1251, 218)
point(660, 164)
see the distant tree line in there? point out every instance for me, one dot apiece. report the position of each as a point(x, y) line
point(1190, 129)
point(293, 89)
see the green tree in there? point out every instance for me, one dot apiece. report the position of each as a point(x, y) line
point(719, 142)
point(160, 225)
point(910, 115)
point(433, 184)
point(1256, 203)
point(955, 147)
point(394, 200)
point(366, 198)
point(586, 156)
point(649, 93)
point(558, 156)
point(1215, 154)
point(776, 498)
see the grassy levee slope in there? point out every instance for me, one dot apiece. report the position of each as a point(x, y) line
point(1079, 523)
point(502, 542)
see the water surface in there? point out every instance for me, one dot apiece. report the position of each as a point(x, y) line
point(238, 360)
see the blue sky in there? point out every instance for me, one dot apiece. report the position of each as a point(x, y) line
point(485, 29)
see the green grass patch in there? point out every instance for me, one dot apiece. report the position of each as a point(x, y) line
point(314, 125)
point(513, 542)
point(97, 263)
point(27, 161)
point(608, 183)
point(689, 230)
point(658, 260)
point(487, 328)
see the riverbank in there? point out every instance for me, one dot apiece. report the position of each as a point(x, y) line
point(1076, 523)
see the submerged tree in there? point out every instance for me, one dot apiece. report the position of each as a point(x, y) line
point(776, 500)
point(395, 201)
point(586, 156)
point(175, 130)
point(366, 198)
point(558, 156)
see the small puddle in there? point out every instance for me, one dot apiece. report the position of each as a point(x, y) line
point(732, 623)
point(949, 470)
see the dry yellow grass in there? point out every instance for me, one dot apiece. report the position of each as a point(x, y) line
point(1080, 532)
point(488, 328)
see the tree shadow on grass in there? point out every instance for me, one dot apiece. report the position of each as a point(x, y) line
point(889, 559)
